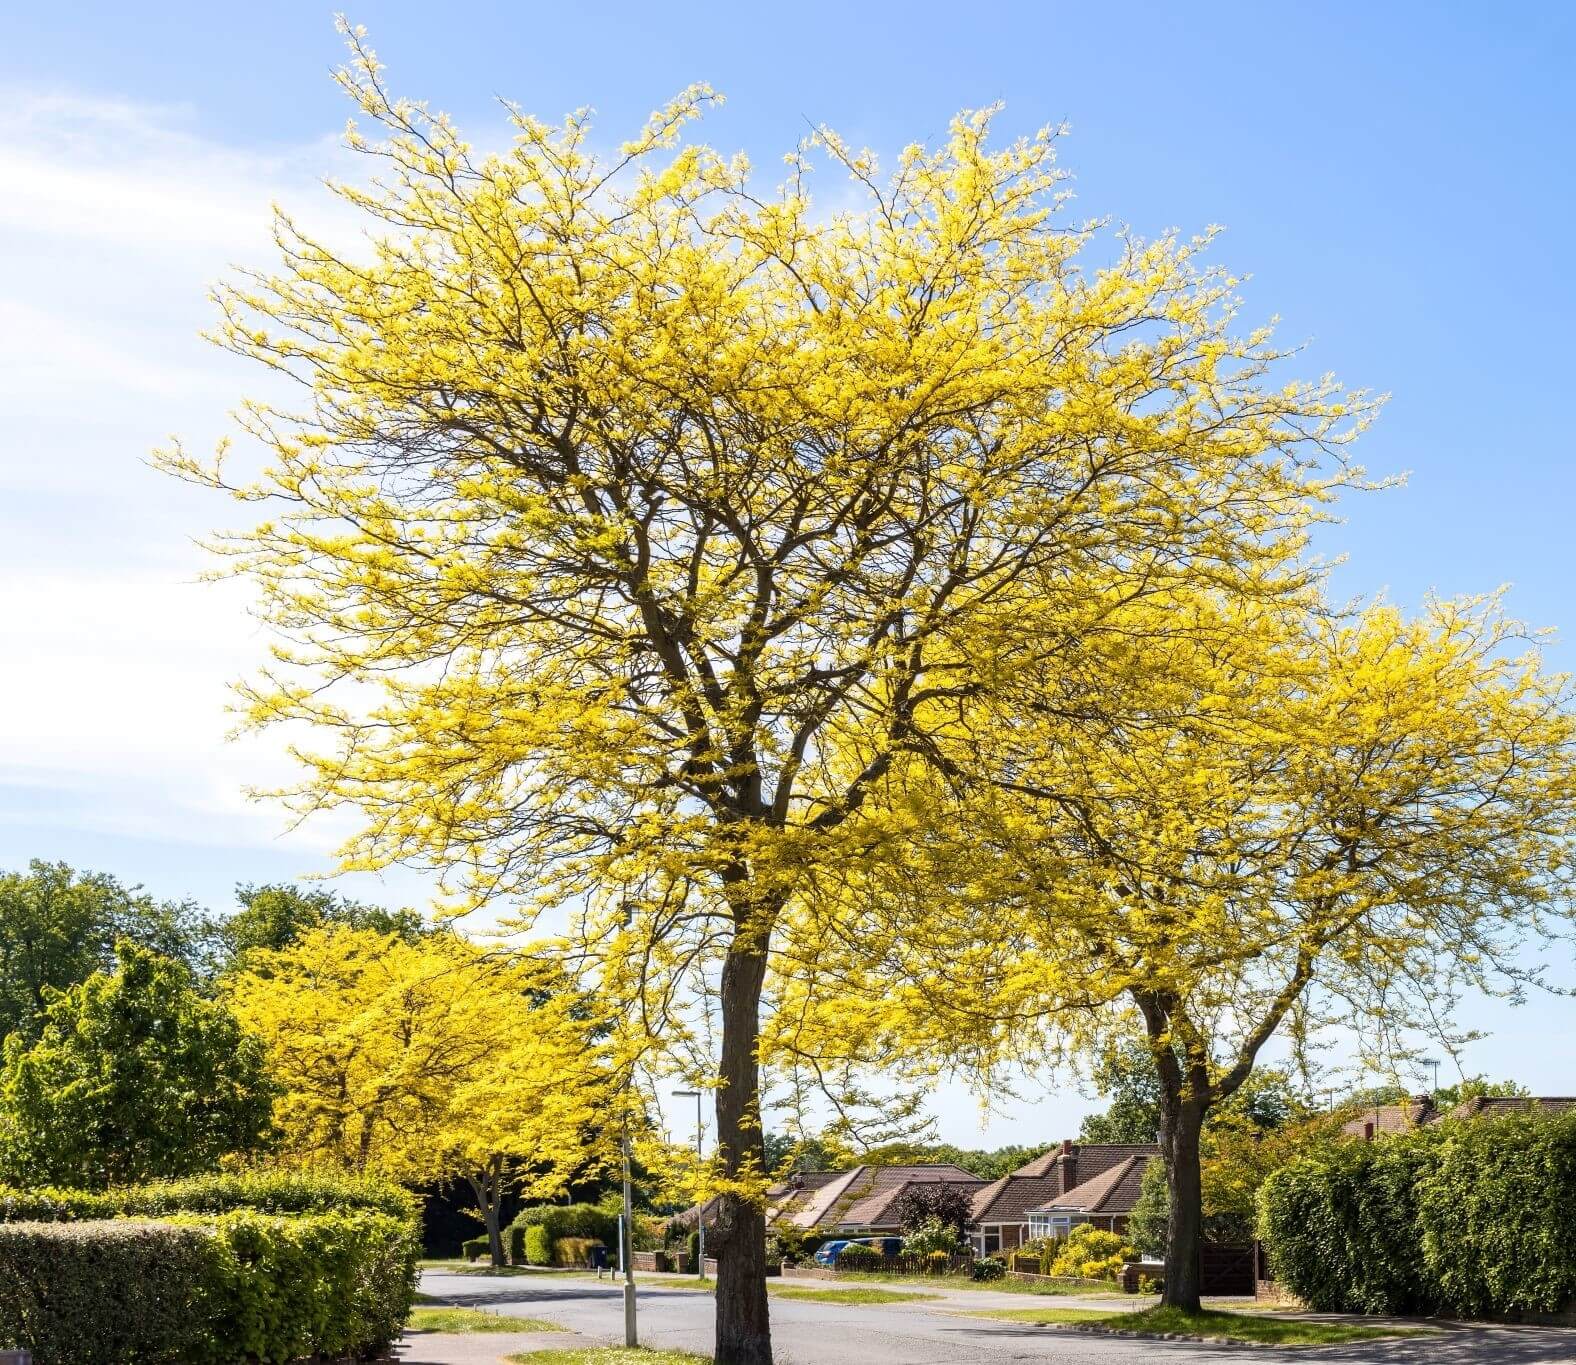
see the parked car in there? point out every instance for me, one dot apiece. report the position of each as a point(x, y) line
point(886, 1246)
point(826, 1253)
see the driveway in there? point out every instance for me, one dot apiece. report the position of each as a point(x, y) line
point(914, 1333)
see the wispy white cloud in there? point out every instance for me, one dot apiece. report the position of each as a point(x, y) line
point(115, 219)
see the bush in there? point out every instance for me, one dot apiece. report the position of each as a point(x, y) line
point(1091, 1253)
point(857, 1256)
point(988, 1268)
point(574, 1251)
point(560, 1220)
point(692, 1246)
point(266, 1191)
point(931, 1235)
point(239, 1287)
point(1342, 1230)
point(105, 1293)
point(1494, 1201)
point(538, 1246)
point(474, 1248)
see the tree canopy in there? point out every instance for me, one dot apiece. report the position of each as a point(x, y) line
point(133, 1076)
point(429, 1059)
point(632, 515)
point(59, 926)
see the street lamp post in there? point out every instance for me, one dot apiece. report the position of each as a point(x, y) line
point(700, 1213)
point(627, 1250)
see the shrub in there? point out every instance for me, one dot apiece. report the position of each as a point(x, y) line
point(936, 1262)
point(1091, 1253)
point(931, 1235)
point(538, 1246)
point(988, 1268)
point(1342, 1229)
point(1494, 1200)
point(105, 1293)
point(574, 1251)
point(273, 1191)
point(239, 1287)
point(474, 1248)
point(856, 1256)
point(692, 1246)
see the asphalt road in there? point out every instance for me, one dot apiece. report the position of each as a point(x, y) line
point(928, 1333)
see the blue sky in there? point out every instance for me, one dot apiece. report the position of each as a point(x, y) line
point(1396, 179)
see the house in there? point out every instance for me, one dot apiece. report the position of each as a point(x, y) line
point(1095, 1182)
point(1375, 1119)
point(1378, 1119)
point(860, 1202)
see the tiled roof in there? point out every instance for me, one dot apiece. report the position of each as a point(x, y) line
point(1493, 1106)
point(1392, 1118)
point(867, 1202)
point(1114, 1190)
point(1009, 1199)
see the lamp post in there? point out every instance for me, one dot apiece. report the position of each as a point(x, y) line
point(627, 1249)
point(700, 1212)
point(1433, 1062)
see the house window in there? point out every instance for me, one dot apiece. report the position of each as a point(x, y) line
point(1039, 1225)
point(992, 1239)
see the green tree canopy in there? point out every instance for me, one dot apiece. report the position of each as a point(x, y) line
point(134, 1076)
point(274, 915)
point(58, 926)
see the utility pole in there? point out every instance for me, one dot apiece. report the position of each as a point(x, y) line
point(700, 1215)
point(627, 1250)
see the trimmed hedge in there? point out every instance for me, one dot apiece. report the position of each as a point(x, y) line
point(240, 1287)
point(556, 1221)
point(1470, 1218)
point(473, 1248)
point(575, 1251)
point(265, 1191)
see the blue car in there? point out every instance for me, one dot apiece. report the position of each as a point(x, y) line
point(826, 1253)
point(887, 1246)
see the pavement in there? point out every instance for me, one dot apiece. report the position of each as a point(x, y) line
point(928, 1332)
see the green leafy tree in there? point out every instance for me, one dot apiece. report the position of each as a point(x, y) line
point(273, 916)
point(134, 1076)
point(59, 926)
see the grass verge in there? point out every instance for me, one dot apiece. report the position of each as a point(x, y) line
point(473, 1320)
point(608, 1355)
point(864, 1294)
point(1009, 1285)
point(1211, 1325)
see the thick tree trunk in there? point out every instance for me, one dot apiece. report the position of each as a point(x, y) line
point(1181, 1123)
point(743, 1326)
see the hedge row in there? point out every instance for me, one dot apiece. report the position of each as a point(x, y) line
point(239, 1287)
point(265, 1191)
point(532, 1237)
point(1469, 1218)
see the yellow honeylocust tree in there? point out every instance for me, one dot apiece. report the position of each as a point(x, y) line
point(630, 511)
point(1236, 820)
point(428, 1060)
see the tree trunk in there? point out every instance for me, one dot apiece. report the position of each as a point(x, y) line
point(488, 1189)
point(743, 1325)
point(1180, 1125)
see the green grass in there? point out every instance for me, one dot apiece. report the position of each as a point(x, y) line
point(861, 1295)
point(1216, 1326)
point(473, 1320)
point(1009, 1285)
point(482, 1268)
point(607, 1355)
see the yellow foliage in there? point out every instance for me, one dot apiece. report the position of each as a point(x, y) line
point(428, 1060)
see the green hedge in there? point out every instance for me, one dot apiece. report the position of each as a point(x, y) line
point(474, 1247)
point(1469, 1218)
point(538, 1245)
point(265, 1191)
point(555, 1221)
point(239, 1287)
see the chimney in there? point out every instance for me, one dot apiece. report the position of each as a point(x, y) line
point(1067, 1167)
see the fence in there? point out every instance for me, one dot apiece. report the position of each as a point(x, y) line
point(905, 1264)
